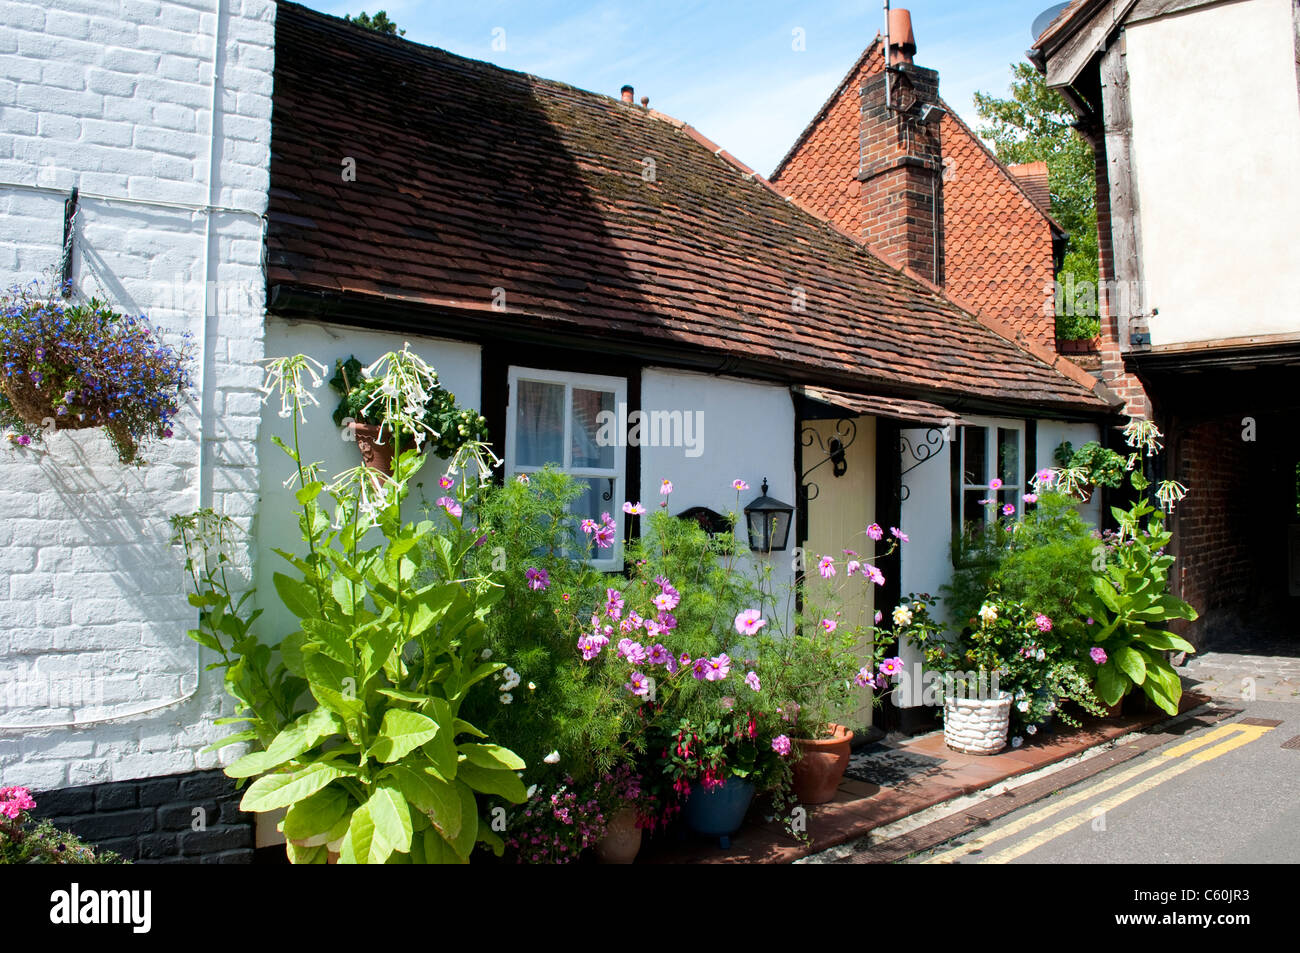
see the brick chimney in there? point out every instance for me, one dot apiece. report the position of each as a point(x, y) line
point(900, 164)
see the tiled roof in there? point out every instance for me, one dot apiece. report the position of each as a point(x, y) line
point(592, 215)
point(997, 239)
point(908, 411)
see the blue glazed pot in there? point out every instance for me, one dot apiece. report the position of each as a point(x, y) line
point(720, 812)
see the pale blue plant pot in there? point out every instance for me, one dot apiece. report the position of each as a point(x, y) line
point(719, 813)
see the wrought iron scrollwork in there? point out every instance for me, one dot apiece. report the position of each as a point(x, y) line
point(919, 452)
point(833, 450)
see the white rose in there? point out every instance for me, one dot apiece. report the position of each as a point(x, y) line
point(902, 616)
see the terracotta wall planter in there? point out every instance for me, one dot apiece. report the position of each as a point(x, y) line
point(821, 765)
point(376, 455)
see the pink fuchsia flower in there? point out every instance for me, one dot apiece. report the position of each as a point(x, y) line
point(538, 579)
point(750, 621)
point(740, 486)
point(1031, 497)
point(717, 668)
point(1043, 622)
point(1008, 509)
point(875, 532)
point(891, 666)
point(751, 679)
point(995, 484)
point(864, 678)
point(874, 574)
point(852, 567)
point(450, 505)
point(634, 652)
point(830, 625)
point(666, 601)
point(781, 745)
point(659, 655)
point(638, 685)
point(665, 487)
point(826, 566)
point(446, 482)
point(634, 509)
point(899, 534)
point(1098, 654)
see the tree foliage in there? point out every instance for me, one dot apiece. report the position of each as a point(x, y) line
point(1035, 125)
point(379, 23)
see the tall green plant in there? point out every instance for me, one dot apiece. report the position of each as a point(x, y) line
point(376, 769)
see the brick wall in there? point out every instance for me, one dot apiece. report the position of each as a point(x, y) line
point(98, 682)
point(1215, 570)
point(186, 818)
point(997, 244)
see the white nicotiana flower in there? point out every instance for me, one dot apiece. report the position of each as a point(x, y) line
point(286, 375)
point(552, 758)
point(1168, 493)
point(532, 789)
point(1143, 435)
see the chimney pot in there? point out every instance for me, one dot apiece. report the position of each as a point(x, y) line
point(628, 94)
point(902, 41)
point(645, 101)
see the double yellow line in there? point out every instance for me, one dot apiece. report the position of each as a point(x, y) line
point(1236, 735)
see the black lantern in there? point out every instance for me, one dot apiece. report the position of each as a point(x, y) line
point(769, 523)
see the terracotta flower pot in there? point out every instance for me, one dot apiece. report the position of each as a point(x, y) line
point(821, 765)
point(622, 840)
point(376, 455)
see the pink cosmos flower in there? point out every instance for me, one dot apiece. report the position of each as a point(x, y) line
point(826, 566)
point(700, 668)
point(666, 601)
point(1008, 509)
point(879, 615)
point(1098, 654)
point(639, 685)
point(667, 621)
point(1046, 476)
point(899, 534)
point(750, 621)
point(852, 567)
point(604, 537)
point(864, 678)
point(891, 666)
point(634, 652)
point(538, 579)
point(874, 574)
point(450, 505)
point(1031, 497)
point(751, 679)
point(718, 668)
point(634, 509)
point(1043, 622)
point(634, 620)
point(830, 625)
point(589, 526)
point(446, 482)
point(590, 645)
point(781, 745)
point(653, 628)
point(659, 655)
point(666, 487)
point(995, 484)
point(875, 532)
point(740, 486)
point(613, 603)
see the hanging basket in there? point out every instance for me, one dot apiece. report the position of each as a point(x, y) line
point(35, 407)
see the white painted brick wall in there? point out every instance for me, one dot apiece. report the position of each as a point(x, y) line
point(114, 96)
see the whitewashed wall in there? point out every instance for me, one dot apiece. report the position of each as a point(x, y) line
point(1051, 433)
point(748, 434)
point(926, 518)
point(1216, 145)
point(459, 370)
point(116, 98)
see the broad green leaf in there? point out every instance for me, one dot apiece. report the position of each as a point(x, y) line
point(439, 851)
point(274, 791)
point(441, 748)
point(492, 757)
point(391, 816)
point(1106, 592)
point(488, 836)
point(236, 738)
point(1112, 684)
point(1166, 642)
point(463, 843)
point(301, 854)
point(1163, 686)
point(252, 764)
point(504, 784)
point(332, 685)
point(298, 597)
point(435, 798)
point(312, 819)
point(1131, 663)
point(308, 493)
point(465, 728)
point(304, 734)
point(401, 733)
point(360, 845)
point(346, 594)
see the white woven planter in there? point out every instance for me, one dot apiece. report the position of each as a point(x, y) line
point(977, 725)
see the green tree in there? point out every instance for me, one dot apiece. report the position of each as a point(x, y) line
point(379, 23)
point(1035, 125)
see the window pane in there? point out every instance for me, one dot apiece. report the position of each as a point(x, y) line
point(973, 512)
point(1009, 456)
point(539, 424)
point(595, 500)
point(975, 447)
point(587, 408)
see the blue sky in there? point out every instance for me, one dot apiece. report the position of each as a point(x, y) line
point(729, 69)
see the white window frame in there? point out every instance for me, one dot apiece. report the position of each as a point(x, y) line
point(606, 560)
point(991, 427)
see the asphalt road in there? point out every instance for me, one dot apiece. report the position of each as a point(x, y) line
point(1220, 795)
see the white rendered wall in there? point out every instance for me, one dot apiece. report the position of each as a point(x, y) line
point(115, 98)
point(748, 434)
point(1051, 434)
point(1216, 145)
point(926, 518)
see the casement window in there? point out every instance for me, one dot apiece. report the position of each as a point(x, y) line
point(995, 450)
point(556, 418)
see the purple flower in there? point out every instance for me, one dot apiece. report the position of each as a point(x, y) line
point(891, 666)
point(875, 575)
point(875, 532)
point(666, 601)
point(1043, 622)
point(1008, 510)
point(639, 685)
point(740, 486)
point(751, 679)
point(450, 505)
point(538, 579)
point(781, 745)
point(718, 668)
point(1098, 654)
point(830, 625)
point(605, 537)
point(634, 652)
point(864, 678)
point(826, 566)
point(699, 668)
point(899, 534)
point(634, 509)
point(659, 655)
point(667, 621)
point(613, 603)
point(1031, 497)
point(590, 645)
